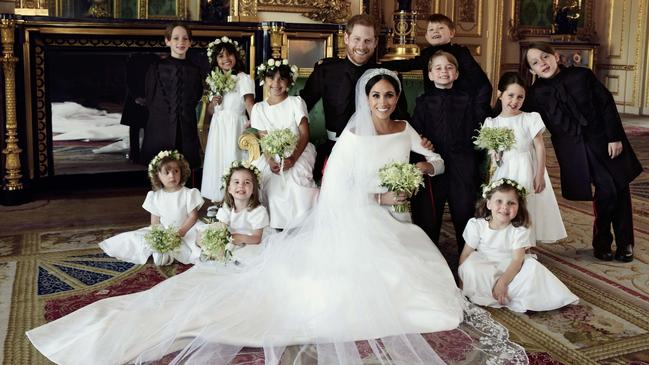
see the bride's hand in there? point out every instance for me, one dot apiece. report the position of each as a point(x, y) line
point(393, 198)
point(425, 167)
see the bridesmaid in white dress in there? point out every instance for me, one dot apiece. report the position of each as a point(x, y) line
point(242, 212)
point(291, 193)
point(228, 117)
point(494, 269)
point(352, 285)
point(525, 161)
point(171, 204)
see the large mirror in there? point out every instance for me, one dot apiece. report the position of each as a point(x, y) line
point(81, 85)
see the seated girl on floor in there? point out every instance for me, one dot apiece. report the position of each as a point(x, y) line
point(494, 268)
point(245, 217)
point(173, 207)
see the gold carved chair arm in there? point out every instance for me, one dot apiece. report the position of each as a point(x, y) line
point(249, 142)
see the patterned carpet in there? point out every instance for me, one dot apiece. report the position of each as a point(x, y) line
point(47, 272)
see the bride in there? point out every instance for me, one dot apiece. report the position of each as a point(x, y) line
point(349, 285)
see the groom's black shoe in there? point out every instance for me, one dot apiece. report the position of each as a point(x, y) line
point(624, 253)
point(604, 255)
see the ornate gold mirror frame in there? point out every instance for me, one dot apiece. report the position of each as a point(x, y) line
point(326, 11)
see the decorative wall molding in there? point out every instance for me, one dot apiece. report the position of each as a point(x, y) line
point(467, 15)
point(609, 66)
point(243, 10)
point(328, 11)
point(614, 19)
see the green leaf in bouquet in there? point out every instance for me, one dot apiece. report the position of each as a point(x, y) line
point(162, 239)
point(496, 139)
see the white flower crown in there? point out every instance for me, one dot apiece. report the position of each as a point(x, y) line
point(496, 183)
point(155, 162)
point(212, 46)
point(240, 164)
point(270, 65)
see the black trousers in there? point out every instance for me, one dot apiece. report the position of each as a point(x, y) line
point(428, 205)
point(612, 207)
point(134, 144)
point(322, 154)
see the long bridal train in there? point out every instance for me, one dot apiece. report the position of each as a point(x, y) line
point(349, 284)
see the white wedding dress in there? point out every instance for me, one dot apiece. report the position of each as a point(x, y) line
point(350, 277)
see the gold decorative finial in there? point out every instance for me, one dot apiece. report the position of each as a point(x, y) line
point(276, 40)
point(12, 151)
point(340, 39)
point(401, 42)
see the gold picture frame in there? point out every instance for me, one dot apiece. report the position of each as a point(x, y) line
point(534, 18)
point(321, 10)
point(145, 8)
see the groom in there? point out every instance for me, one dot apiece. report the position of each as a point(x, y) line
point(334, 80)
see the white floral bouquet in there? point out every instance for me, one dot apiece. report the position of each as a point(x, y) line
point(497, 140)
point(271, 64)
point(278, 144)
point(401, 177)
point(162, 239)
point(215, 242)
point(220, 82)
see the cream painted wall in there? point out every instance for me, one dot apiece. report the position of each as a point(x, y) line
point(194, 8)
point(622, 59)
point(645, 89)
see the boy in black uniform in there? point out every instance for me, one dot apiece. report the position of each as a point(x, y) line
point(591, 146)
point(446, 115)
point(439, 34)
